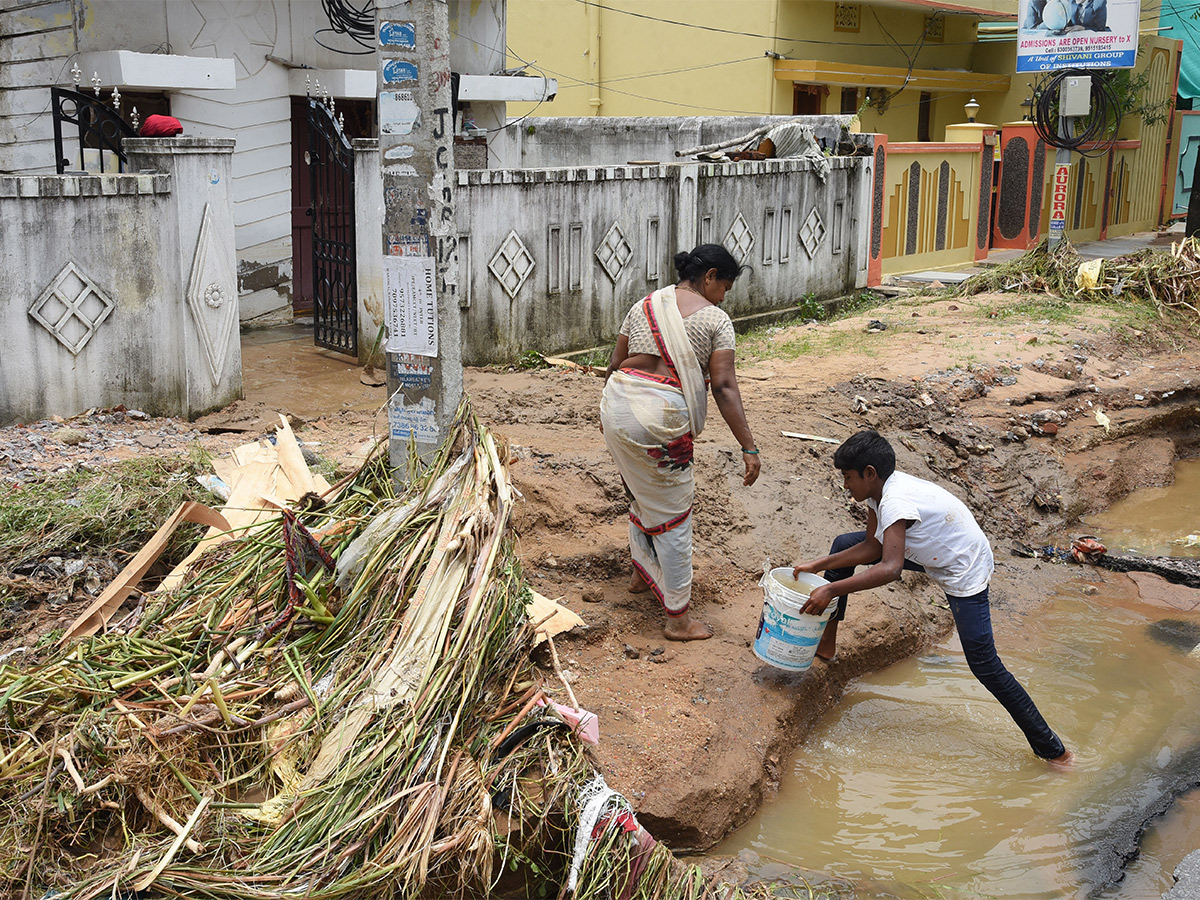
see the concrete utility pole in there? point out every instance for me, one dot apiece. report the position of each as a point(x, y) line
point(420, 265)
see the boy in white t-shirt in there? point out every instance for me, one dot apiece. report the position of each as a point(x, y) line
point(915, 524)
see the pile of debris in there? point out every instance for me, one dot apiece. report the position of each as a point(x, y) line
point(332, 697)
point(1166, 281)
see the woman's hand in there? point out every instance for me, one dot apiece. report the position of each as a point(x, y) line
point(753, 467)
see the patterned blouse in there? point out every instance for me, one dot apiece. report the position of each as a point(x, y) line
point(709, 329)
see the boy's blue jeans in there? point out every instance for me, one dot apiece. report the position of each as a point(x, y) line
point(973, 619)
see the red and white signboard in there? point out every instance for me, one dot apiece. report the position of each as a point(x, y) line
point(1058, 200)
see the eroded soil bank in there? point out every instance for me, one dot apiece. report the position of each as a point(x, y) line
point(993, 397)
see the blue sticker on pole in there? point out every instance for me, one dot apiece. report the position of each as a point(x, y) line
point(398, 34)
point(399, 71)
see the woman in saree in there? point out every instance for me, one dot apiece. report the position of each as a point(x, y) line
point(672, 344)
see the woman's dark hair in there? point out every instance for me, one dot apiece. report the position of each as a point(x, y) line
point(691, 266)
point(867, 448)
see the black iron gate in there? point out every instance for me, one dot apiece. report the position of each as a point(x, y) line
point(335, 280)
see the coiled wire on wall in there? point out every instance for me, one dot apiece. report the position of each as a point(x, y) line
point(1098, 128)
point(356, 22)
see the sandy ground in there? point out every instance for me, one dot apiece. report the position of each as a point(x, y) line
point(696, 734)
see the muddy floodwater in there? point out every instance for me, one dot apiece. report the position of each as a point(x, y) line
point(1155, 521)
point(921, 781)
point(919, 785)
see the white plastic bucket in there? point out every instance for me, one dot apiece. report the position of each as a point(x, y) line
point(787, 638)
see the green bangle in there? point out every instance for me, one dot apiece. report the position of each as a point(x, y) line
point(753, 452)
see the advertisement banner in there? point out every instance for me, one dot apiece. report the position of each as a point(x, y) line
point(1077, 34)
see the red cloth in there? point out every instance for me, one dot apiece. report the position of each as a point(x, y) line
point(160, 126)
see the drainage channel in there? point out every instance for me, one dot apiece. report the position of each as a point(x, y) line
point(919, 785)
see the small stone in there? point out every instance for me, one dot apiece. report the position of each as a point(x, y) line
point(1090, 589)
point(71, 436)
point(593, 595)
point(1049, 428)
point(551, 563)
point(632, 652)
point(149, 440)
point(658, 651)
point(1138, 397)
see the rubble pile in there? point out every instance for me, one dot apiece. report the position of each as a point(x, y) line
point(332, 697)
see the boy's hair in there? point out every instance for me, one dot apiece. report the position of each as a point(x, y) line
point(867, 448)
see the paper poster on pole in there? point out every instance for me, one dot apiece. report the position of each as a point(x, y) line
point(1077, 34)
point(410, 304)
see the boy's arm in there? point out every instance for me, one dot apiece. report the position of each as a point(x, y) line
point(861, 554)
point(887, 570)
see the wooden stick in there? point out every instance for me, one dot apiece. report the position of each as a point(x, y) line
point(538, 695)
point(148, 879)
point(71, 770)
point(561, 677)
point(721, 145)
point(166, 818)
point(37, 834)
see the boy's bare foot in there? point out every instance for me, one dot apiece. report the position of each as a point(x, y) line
point(1065, 763)
point(637, 584)
point(685, 628)
point(827, 649)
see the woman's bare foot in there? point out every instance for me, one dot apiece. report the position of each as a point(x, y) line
point(685, 628)
point(637, 584)
point(1065, 763)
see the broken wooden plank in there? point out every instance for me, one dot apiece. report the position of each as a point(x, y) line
point(810, 437)
point(96, 616)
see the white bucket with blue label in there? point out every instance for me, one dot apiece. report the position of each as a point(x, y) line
point(787, 638)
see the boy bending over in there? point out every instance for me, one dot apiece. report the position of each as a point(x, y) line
point(914, 524)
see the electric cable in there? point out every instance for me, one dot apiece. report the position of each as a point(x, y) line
point(1097, 131)
point(357, 23)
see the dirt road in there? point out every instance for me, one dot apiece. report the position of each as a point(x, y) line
point(993, 397)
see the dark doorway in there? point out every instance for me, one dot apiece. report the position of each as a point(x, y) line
point(806, 99)
point(849, 101)
point(924, 111)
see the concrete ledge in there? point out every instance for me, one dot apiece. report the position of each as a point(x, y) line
point(178, 144)
point(69, 187)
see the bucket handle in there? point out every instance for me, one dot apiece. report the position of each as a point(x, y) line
point(762, 582)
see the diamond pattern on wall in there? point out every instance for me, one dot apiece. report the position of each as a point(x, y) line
point(812, 233)
point(511, 265)
point(739, 239)
point(614, 252)
point(71, 308)
point(212, 295)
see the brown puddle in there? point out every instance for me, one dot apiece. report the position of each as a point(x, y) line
point(921, 782)
point(1155, 521)
point(919, 785)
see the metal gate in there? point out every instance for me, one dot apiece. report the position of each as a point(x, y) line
point(335, 281)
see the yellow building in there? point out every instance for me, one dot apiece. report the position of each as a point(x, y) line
point(907, 67)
